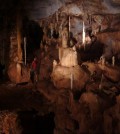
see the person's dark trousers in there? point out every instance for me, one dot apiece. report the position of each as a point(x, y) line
point(32, 73)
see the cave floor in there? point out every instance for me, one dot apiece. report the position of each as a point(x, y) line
point(32, 108)
point(21, 97)
point(45, 98)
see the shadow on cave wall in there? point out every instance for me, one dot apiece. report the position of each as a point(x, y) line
point(32, 123)
point(34, 34)
point(92, 52)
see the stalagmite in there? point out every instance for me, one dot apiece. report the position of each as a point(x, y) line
point(18, 66)
point(60, 53)
point(54, 64)
point(113, 60)
point(69, 25)
point(51, 30)
point(71, 80)
point(57, 17)
point(102, 60)
point(101, 81)
point(69, 57)
point(25, 48)
point(65, 38)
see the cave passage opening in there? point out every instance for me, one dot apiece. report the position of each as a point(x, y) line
point(33, 34)
point(33, 123)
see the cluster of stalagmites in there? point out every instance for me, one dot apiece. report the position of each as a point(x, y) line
point(91, 105)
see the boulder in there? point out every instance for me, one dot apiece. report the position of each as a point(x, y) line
point(9, 123)
point(90, 117)
point(110, 72)
point(18, 73)
point(93, 68)
point(111, 43)
point(61, 77)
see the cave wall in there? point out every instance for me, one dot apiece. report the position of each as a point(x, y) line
point(95, 110)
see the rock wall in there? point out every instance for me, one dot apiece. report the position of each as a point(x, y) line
point(17, 72)
point(9, 123)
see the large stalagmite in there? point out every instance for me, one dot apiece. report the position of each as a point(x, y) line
point(17, 72)
point(69, 57)
point(67, 67)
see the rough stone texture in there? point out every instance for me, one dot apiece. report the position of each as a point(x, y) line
point(17, 72)
point(64, 36)
point(68, 72)
point(13, 74)
point(92, 106)
point(92, 68)
point(111, 43)
point(13, 47)
point(105, 22)
point(116, 2)
point(112, 73)
point(68, 57)
point(46, 61)
point(91, 111)
point(9, 123)
point(90, 114)
point(112, 118)
point(61, 77)
point(97, 69)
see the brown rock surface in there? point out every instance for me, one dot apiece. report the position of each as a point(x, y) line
point(13, 74)
point(9, 123)
point(61, 77)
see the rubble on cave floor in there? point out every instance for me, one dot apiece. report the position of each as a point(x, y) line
point(75, 111)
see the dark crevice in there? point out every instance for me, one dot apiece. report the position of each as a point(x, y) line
point(32, 123)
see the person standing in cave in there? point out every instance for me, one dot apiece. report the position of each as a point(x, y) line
point(33, 72)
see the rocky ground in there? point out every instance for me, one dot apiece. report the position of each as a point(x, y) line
point(92, 110)
point(91, 107)
point(22, 102)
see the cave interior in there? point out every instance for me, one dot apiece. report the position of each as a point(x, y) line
point(74, 85)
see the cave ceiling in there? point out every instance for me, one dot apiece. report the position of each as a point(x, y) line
point(37, 9)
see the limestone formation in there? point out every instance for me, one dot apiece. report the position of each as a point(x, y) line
point(9, 123)
point(111, 73)
point(17, 72)
point(83, 92)
point(61, 77)
point(93, 68)
point(64, 37)
point(16, 69)
point(112, 116)
point(67, 66)
point(69, 57)
point(90, 114)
